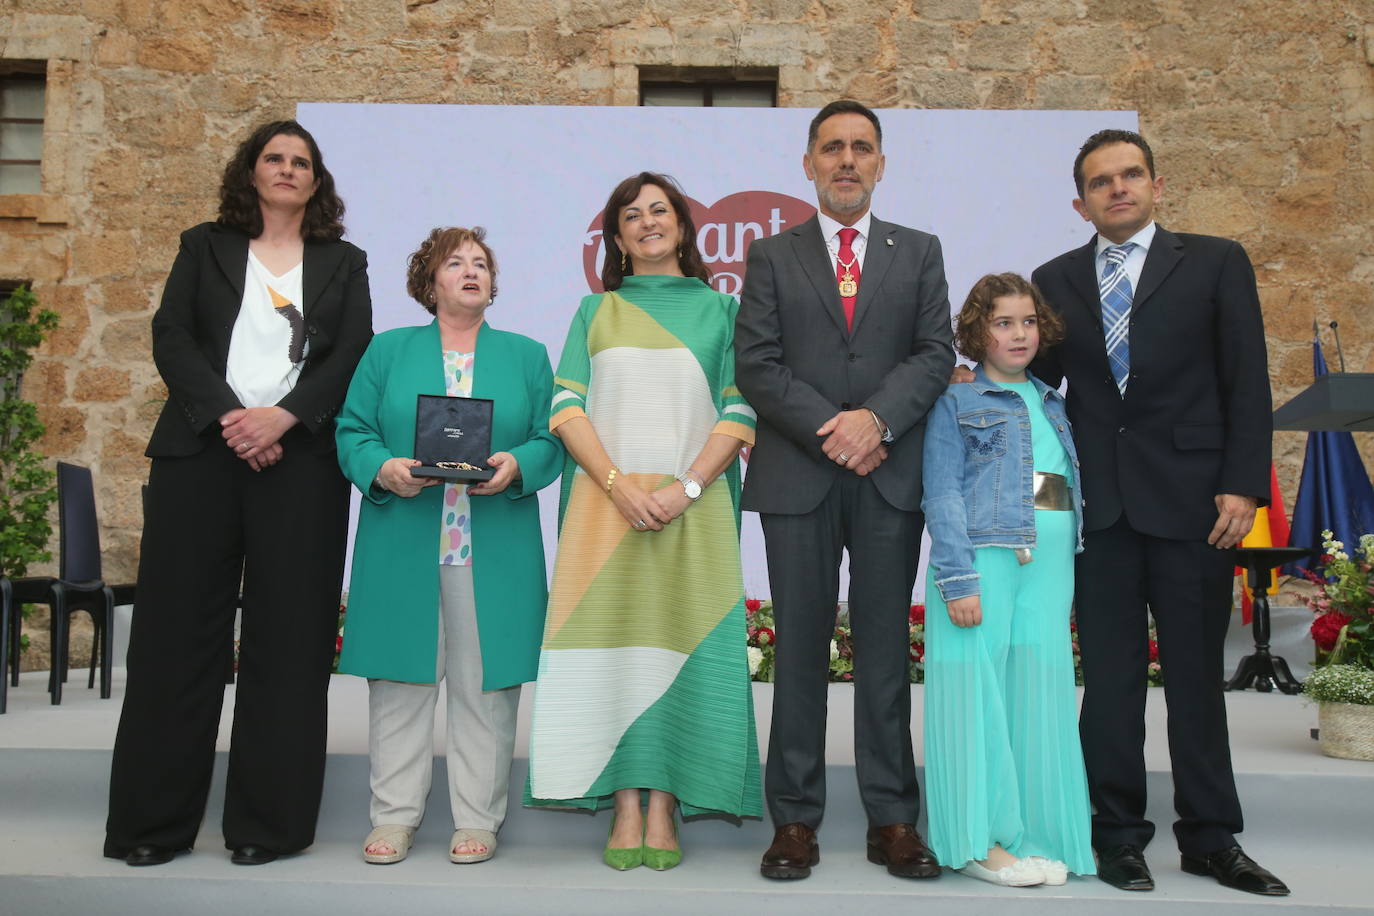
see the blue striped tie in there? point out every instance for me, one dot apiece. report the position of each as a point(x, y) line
point(1115, 289)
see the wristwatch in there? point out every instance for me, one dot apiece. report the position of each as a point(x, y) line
point(690, 487)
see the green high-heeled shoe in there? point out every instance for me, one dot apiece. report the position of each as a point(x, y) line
point(621, 859)
point(664, 859)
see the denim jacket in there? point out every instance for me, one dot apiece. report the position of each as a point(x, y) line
point(977, 481)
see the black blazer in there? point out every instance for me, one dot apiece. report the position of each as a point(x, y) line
point(1195, 421)
point(193, 326)
point(798, 365)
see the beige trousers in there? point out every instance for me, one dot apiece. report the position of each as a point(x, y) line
point(480, 736)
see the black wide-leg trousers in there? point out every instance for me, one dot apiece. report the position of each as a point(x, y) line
point(211, 523)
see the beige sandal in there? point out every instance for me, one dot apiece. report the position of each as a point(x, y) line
point(397, 836)
point(471, 836)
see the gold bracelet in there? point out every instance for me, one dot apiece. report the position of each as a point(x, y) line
point(610, 478)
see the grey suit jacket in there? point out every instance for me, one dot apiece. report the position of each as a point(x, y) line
point(798, 365)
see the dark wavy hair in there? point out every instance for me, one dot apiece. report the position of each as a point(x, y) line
point(434, 251)
point(971, 334)
point(1104, 138)
point(689, 259)
point(238, 198)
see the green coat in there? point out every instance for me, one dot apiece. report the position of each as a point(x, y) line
point(391, 628)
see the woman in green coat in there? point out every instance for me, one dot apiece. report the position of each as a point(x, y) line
point(448, 578)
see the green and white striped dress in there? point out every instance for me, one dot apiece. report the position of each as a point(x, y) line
point(643, 677)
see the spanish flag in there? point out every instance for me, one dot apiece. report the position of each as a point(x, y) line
point(1270, 530)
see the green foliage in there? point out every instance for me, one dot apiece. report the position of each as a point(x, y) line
point(1341, 684)
point(27, 487)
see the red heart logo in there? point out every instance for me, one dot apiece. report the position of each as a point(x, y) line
point(724, 231)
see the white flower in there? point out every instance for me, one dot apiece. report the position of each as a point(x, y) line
point(834, 650)
point(1327, 535)
point(755, 659)
point(1336, 545)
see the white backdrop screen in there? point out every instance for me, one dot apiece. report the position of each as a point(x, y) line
point(995, 186)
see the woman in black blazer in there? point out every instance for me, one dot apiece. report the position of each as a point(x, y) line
point(263, 319)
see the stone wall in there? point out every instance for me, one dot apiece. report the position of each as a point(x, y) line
point(1261, 113)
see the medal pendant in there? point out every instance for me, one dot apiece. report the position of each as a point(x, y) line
point(848, 288)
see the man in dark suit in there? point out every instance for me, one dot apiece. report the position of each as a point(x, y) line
point(842, 345)
point(1169, 398)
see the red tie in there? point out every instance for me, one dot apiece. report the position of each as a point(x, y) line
point(847, 274)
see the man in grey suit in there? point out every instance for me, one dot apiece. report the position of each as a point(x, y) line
point(842, 344)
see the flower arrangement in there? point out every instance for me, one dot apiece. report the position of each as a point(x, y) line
point(338, 634)
point(762, 640)
point(762, 643)
point(1343, 623)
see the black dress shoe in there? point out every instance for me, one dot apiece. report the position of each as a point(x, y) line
point(1233, 868)
point(1124, 868)
point(793, 852)
point(252, 855)
point(149, 854)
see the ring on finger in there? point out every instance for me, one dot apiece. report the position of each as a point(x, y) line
point(844, 459)
point(639, 524)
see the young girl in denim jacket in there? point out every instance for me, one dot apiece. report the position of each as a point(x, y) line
point(1008, 798)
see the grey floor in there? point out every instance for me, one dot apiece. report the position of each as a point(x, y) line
point(1309, 817)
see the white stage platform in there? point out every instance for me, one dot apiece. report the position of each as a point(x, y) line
point(1310, 818)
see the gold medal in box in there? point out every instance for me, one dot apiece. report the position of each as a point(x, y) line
point(452, 437)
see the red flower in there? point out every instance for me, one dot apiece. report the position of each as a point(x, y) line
point(338, 644)
point(752, 604)
point(918, 614)
point(1326, 629)
point(1154, 650)
point(765, 636)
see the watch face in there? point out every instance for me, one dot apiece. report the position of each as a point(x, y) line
point(691, 487)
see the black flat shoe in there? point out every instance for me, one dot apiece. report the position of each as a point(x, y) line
point(149, 854)
point(1124, 868)
point(252, 855)
point(1233, 868)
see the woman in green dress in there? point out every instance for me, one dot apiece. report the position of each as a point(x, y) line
point(643, 677)
point(448, 580)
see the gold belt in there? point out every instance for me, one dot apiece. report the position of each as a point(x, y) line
point(1052, 492)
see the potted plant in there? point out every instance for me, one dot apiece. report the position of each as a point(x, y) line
point(1343, 630)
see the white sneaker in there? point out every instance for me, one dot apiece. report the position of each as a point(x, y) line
point(1021, 873)
point(1055, 872)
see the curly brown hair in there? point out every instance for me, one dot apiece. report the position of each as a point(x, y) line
point(238, 198)
point(434, 251)
point(689, 259)
point(971, 336)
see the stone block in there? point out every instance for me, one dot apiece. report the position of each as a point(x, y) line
point(115, 48)
point(39, 36)
point(127, 340)
point(109, 254)
point(1092, 49)
point(583, 15)
point(183, 54)
point(101, 383)
point(1001, 47)
point(948, 9)
point(121, 453)
point(73, 316)
point(64, 429)
point(1067, 92)
point(853, 49)
point(925, 44)
point(300, 18)
point(777, 10)
point(941, 88)
point(45, 382)
point(502, 42)
point(676, 11)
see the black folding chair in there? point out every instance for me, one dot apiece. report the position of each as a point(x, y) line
point(7, 609)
